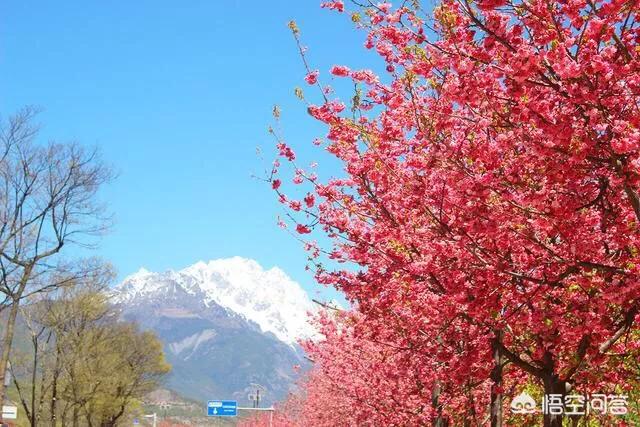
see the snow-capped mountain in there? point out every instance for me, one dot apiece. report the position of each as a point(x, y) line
point(226, 325)
point(269, 298)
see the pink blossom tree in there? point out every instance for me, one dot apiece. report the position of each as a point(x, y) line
point(489, 205)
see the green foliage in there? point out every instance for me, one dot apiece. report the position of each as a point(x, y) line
point(84, 367)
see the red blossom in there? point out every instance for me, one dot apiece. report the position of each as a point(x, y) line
point(340, 70)
point(335, 5)
point(309, 200)
point(491, 4)
point(286, 151)
point(302, 229)
point(312, 77)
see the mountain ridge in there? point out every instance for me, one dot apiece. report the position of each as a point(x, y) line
point(269, 298)
point(225, 324)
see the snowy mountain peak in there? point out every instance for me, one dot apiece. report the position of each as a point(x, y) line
point(269, 298)
point(142, 272)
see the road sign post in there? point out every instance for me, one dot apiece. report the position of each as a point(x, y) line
point(229, 408)
point(222, 408)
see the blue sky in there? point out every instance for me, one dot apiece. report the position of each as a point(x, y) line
point(177, 95)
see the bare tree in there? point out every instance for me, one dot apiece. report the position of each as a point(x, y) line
point(47, 201)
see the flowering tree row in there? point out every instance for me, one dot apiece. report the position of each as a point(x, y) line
point(488, 214)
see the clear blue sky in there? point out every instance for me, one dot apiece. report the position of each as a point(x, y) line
point(178, 95)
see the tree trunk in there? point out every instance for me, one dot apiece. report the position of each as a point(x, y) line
point(34, 340)
point(22, 398)
point(76, 416)
point(553, 385)
point(42, 394)
point(7, 340)
point(54, 385)
point(6, 348)
point(439, 420)
point(496, 386)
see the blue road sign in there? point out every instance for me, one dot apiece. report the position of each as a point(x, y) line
point(222, 408)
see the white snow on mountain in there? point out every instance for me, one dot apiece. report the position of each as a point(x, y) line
point(270, 298)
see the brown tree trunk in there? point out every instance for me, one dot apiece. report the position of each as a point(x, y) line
point(42, 394)
point(34, 374)
point(7, 340)
point(54, 385)
point(496, 385)
point(6, 349)
point(553, 385)
point(439, 420)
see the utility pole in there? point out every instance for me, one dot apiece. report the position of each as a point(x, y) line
point(255, 398)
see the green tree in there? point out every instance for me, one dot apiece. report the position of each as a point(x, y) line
point(85, 366)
